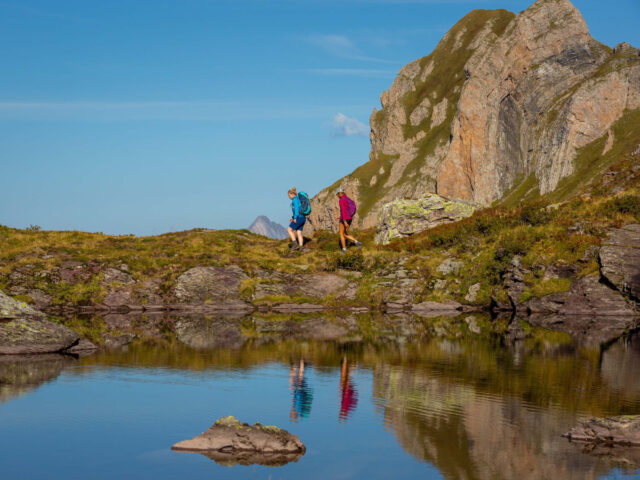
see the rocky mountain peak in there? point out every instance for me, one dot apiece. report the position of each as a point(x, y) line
point(262, 225)
point(500, 108)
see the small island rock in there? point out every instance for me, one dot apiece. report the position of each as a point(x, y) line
point(229, 441)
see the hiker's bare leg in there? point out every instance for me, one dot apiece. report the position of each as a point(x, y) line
point(292, 235)
point(300, 237)
point(343, 242)
point(346, 234)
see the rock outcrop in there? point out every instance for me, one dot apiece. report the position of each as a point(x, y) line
point(620, 259)
point(498, 110)
point(262, 225)
point(209, 284)
point(24, 330)
point(230, 441)
point(402, 218)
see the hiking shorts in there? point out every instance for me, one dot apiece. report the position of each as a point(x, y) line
point(299, 223)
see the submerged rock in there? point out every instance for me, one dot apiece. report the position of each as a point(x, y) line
point(401, 218)
point(229, 441)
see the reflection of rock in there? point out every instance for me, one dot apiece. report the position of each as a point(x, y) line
point(229, 441)
point(586, 329)
point(620, 364)
point(200, 332)
point(21, 373)
point(468, 434)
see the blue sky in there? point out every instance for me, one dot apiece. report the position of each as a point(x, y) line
point(146, 116)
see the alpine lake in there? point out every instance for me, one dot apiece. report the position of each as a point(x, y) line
point(404, 397)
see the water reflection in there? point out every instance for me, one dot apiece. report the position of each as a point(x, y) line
point(302, 393)
point(19, 374)
point(464, 402)
point(348, 392)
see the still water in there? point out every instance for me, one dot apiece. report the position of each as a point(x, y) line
point(437, 408)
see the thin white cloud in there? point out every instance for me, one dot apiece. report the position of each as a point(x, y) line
point(353, 72)
point(164, 110)
point(343, 47)
point(344, 126)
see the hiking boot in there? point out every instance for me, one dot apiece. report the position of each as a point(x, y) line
point(359, 245)
point(292, 245)
point(343, 250)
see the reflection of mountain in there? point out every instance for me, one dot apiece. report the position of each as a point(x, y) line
point(468, 434)
point(21, 373)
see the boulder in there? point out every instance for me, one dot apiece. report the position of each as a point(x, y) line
point(620, 259)
point(402, 218)
point(24, 330)
point(587, 296)
point(229, 441)
point(209, 284)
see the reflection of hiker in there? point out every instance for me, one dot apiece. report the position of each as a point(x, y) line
point(300, 207)
point(348, 392)
point(347, 211)
point(302, 394)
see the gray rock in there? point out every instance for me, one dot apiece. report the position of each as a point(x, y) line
point(401, 218)
point(450, 266)
point(83, 347)
point(229, 441)
point(10, 308)
point(587, 296)
point(472, 293)
point(620, 259)
point(622, 430)
point(111, 275)
point(27, 335)
point(209, 284)
point(435, 306)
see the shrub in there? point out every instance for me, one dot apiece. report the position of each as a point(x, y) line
point(625, 204)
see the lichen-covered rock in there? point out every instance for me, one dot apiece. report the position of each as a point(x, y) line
point(620, 259)
point(209, 284)
point(402, 218)
point(229, 441)
point(10, 308)
point(24, 330)
point(34, 335)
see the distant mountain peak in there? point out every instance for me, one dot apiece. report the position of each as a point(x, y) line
point(262, 225)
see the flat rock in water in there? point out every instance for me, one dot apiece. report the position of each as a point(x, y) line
point(617, 438)
point(228, 441)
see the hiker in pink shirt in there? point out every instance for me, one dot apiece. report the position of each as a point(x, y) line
point(347, 211)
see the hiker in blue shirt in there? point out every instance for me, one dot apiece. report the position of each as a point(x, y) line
point(297, 221)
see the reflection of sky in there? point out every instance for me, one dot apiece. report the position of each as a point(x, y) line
point(122, 422)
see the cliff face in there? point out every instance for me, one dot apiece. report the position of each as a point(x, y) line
point(500, 108)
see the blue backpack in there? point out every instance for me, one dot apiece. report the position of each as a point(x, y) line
point(305, 204)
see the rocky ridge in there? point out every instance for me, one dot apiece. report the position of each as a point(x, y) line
point(523, 95)
point(262, 225)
